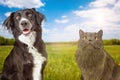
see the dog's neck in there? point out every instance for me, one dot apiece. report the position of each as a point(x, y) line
point(28, 39)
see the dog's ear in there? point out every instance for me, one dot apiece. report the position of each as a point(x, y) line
point(33, 9)
point(39, 18)
point(9, 22)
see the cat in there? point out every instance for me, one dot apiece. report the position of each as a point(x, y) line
point(93, 60)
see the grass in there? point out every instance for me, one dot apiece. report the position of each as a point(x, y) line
point(4, 50)
point(61, 63)
point(61, 60)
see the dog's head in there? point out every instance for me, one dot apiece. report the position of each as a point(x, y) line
point(24, 21)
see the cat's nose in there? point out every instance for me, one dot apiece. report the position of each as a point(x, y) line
point(90, 40)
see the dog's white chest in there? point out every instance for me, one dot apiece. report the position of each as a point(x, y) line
point(38, 59)
point(28, 39)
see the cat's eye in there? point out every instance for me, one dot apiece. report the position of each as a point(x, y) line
point(96, 38)
point(85, 37)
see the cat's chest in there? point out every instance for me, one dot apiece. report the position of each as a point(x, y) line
point(91, 57)
point(90, 50)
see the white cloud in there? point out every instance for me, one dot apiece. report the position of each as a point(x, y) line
point(81, 7)
point(100, 14)
point(64, 16)
point(22, 3)
point(58, 35)
point(117, 7)
point(4, 32)
point(102, 3)
point(63, 20)
point(7, 14)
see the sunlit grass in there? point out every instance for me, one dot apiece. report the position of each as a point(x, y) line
point(61, 63)
point(61, 60)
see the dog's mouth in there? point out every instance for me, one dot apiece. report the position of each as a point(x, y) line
point(26, 31)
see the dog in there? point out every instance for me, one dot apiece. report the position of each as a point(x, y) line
point(28, 58)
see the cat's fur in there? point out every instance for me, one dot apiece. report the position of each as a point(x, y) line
point(93, 60)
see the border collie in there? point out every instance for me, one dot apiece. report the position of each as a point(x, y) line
point(28, 57)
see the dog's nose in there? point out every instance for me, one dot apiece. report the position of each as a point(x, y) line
point(24, 23)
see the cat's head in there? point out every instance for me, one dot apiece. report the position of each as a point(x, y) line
point(91, 38)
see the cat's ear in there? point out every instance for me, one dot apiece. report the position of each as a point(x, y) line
point(100, 33)
point(81, 33)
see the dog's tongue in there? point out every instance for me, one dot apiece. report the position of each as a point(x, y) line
point(26, 31)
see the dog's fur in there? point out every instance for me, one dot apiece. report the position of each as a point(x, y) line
point(28, 57)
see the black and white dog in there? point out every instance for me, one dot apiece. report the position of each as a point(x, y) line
point(28, 57)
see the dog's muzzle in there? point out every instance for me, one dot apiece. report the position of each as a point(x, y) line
point(25, 26)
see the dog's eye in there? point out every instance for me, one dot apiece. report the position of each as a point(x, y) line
point(29, 15)
point(17, 17)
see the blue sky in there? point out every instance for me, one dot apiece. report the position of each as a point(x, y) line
point(64, 18)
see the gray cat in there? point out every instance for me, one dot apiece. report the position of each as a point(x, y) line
point(93, 60)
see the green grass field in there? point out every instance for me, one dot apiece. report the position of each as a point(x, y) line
point(61, 60)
